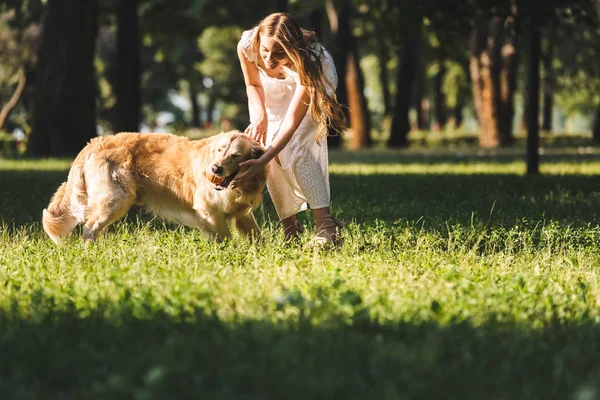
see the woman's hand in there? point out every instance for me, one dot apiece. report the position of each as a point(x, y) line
point(254, 167)
point(257, 130)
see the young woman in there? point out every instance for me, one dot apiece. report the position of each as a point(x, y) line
point(290, 82)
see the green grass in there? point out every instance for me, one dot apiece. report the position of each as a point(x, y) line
point(459, 278)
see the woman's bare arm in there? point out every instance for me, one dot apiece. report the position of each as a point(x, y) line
point(256, 96)
point(294, 116)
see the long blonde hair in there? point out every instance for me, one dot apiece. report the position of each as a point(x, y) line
point(303, 49)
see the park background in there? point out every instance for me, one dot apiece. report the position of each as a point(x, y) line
point(467, 178)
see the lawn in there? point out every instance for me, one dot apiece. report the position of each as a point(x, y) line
point(459, 278)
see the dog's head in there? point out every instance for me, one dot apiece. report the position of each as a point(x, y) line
point(228, 151)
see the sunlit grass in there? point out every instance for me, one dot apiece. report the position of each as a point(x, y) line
point(53, 164)
point(459, 277)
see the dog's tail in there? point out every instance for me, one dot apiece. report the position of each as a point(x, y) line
point(67, 207)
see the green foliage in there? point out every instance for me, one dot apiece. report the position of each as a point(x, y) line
point(9, 50)
point(220, 64)
point(374, 93)
point(452, 263)
point(26, 12)
point(218, 44)
point(579, 93)
point(577, 68)
point(18, 40)
point(456, 83)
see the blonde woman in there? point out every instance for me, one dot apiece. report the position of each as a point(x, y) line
point(290, 82)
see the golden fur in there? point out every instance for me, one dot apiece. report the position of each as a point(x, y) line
point(170, 175)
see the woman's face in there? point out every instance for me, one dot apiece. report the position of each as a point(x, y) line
point(271, 52)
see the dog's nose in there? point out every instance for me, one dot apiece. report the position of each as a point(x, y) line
point(217, 170)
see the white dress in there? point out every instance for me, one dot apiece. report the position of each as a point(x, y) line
point(302, 177)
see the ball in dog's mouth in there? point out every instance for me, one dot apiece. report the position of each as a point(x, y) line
point(221, 182)
point(216, 179)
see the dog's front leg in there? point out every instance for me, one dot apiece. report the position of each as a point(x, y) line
point(213, 225)
point(247, 227)
point(210, 219)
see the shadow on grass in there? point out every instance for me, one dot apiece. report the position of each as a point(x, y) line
point(437, 156)
point(64, 355)
point(498, 199)
point(24, 194)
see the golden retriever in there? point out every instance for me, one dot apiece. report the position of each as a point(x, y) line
point(186, 181)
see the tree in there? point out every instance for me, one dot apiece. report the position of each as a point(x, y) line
point(493, 69)
point(379, 39)
point(596, 125)
point(548, 81)
point(350, 90)
point(441, 116)
point(535, 20)
point(360, 119)
point(577, 71)
point(407, 72)
point(171, 55)
point(227, 84)
point(128, 106)
point(533, 96)
point(12, 68)
point(65, 102)
point(19, 31)
point(384, 56)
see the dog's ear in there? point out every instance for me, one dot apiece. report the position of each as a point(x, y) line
point(257, 151)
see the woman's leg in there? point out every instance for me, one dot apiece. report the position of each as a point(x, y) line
point(285, 200)
point(313, 180)
point(327, 230)
point(291, 228)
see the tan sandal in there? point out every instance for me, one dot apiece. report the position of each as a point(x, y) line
point(328, 233)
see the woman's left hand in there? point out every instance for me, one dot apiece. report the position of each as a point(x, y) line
point(254, 166)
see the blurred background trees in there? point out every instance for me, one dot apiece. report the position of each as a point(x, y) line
point(70, 70)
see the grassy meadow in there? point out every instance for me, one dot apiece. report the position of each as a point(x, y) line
point(459, 278)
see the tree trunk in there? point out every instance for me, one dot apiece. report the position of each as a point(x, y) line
point(421, 103)
point(196, 122)
point(339, 48)
point(523, 121)
point(547, 85)
point(507, 83)
point(350, 89)
point(461, 100)
point(210, 109)
point(127, 90)
point(360, 119)
point(359, 115)
point(15, 97)
point(65, 103)
point(384, 56)
point(596, 126)
point(533, 100)
point(493, 67)
point(29, 94)
point(441, 117)
point(481, 86)
point(407, 73)
point(458, 114)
